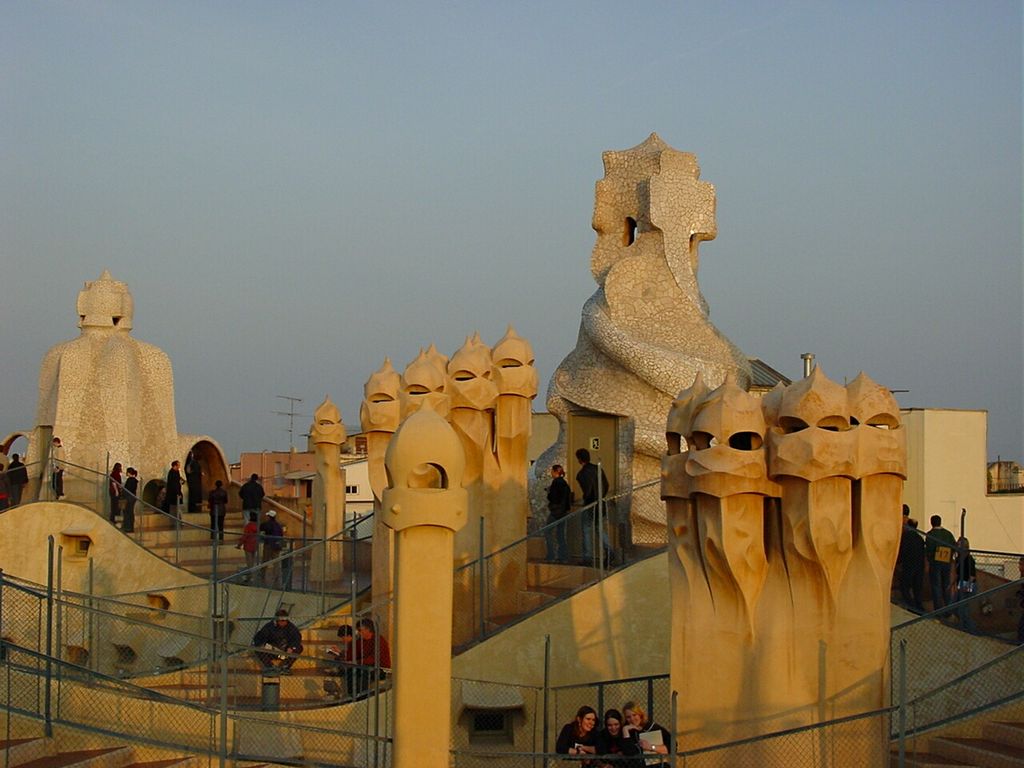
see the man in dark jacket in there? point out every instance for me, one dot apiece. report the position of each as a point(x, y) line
point(593, 485)
point(279, 642)
point(17, 479)
point(559, 503)
point(252, 496)
point(272, 537)
point(172, 490)
point(218, 501)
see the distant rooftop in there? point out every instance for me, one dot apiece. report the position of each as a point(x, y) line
point(763, 376)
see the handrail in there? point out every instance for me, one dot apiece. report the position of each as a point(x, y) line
point(939, 613)
point(274, 504)
point(562, 521)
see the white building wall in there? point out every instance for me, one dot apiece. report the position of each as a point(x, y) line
point(947, 472)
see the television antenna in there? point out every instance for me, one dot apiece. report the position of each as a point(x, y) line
point(291, 414)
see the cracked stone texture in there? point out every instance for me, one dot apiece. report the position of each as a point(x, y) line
point(106, 392)
point(645, 333)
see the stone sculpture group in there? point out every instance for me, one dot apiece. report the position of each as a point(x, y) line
point(486, 395)
point(784, 518)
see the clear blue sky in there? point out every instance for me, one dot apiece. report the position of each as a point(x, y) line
point(295, 190)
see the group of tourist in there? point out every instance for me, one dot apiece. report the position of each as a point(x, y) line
point(947, 561)
point(628, 738)
point(359, 659)
point(593, 483)
point(123, 492)
point(13, 480)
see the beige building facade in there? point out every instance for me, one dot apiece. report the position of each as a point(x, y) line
point(946, 473)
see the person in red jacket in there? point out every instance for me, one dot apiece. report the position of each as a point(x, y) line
point(372, 655)
point(249, 542)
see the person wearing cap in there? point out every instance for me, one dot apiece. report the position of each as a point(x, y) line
point(272, 536)
point(279, 641)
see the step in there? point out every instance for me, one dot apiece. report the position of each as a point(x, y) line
point(194, 691)
point(928, 760)
point(187, 761)
point(1011, 734)
point(981, 752)
point(108, 757)
point(21, 751)
point(558, 575)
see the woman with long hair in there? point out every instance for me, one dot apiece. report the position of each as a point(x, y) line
point(579, 736)
point(613, 746)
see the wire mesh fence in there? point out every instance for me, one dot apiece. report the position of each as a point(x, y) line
point(931, 651)
point(491, 591)
point(861, 740)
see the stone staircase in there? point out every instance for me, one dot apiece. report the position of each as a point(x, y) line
point(548, 582)
point(45, 753)
point(302, 688)
point(191, 547)
point(1001, 745)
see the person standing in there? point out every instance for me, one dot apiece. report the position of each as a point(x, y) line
point(114, 489)
point(57, 468)
point(248, 543)
point(559, 502)
point(131, 495)
point(218, 501)
point(939, 546)
point(17, 479)
point(272, 536)
point(594, 486)
point(194, 481)
point(172, 490)
point(966, 583)
point(252, 495)
point(913, 565)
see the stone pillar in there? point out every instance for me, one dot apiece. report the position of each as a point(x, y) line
point(327, 433)
point(424, 504)
point(379, 416)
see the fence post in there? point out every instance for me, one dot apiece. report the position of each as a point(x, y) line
point(902, 716)
point(353, 584)
point(49, 637)
point(599, 529)
point(60, 609)
point(547, 690)
point(92, 621)
point(674, 748)
point(482, 581)
point(222, 750)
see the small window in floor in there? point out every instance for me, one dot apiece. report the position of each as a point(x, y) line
point(352, 489)
point(492, 726)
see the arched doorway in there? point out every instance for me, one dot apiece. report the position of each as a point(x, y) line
point(11, 444)
point(212, 464)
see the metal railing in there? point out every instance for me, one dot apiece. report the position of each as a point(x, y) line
point(485, 588)
point(302, 564)
point(59, 693)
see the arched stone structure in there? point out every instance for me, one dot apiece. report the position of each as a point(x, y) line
point(8, 444)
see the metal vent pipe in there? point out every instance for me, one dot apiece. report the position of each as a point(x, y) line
point(808, 359)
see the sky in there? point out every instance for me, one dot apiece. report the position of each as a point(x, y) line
point(294, 190)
